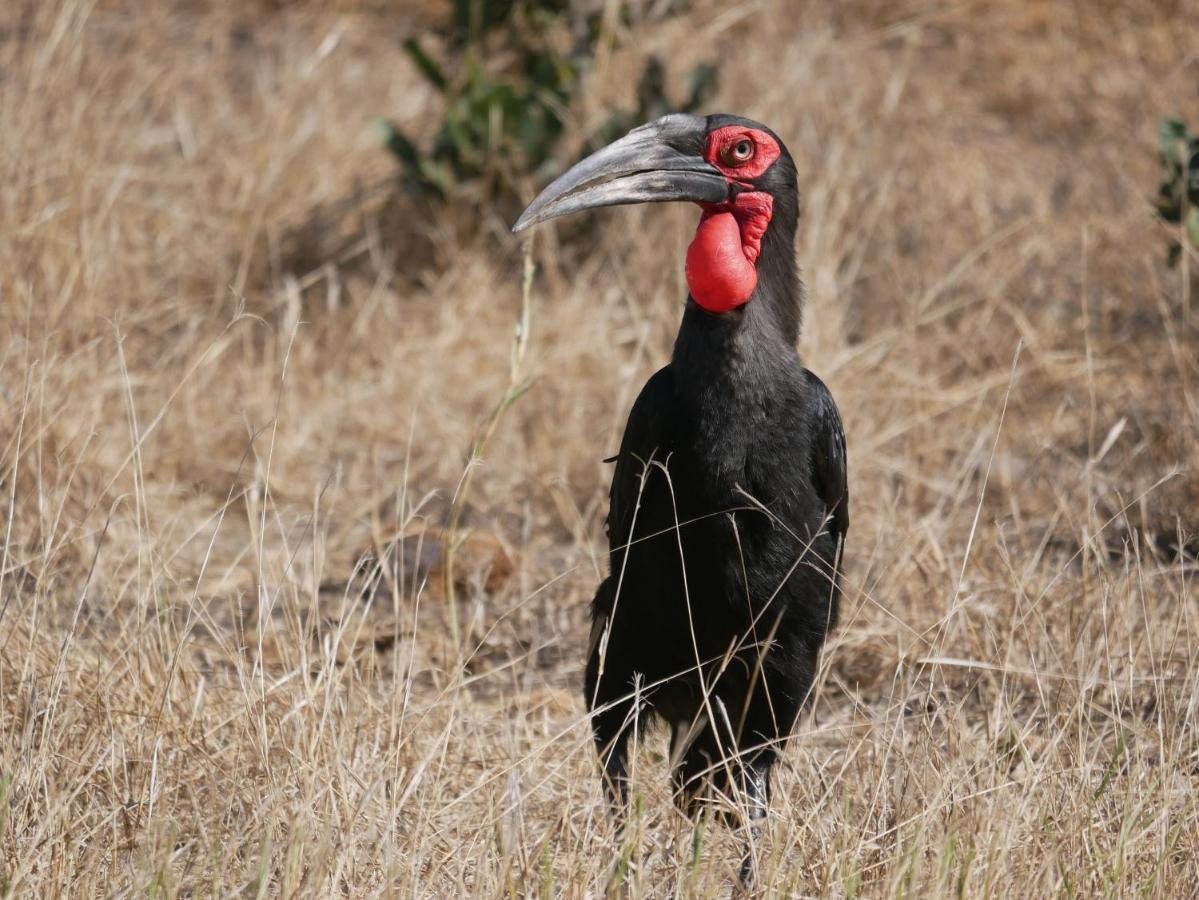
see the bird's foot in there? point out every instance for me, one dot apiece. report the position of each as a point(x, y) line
point(747, 875)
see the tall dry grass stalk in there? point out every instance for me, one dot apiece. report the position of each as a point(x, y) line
point(231, 359)
point(517, 386)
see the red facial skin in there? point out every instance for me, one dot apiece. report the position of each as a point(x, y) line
point(722, 259)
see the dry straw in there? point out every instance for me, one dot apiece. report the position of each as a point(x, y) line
point(230, 362)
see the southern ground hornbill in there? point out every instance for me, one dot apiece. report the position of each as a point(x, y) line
point(729, 503)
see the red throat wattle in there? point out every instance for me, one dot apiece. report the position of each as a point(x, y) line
point(722, 260)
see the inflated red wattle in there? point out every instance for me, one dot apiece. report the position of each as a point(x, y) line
point(719, 275)
point(722, 259)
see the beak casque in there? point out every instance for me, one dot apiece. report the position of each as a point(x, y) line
point(656, 162)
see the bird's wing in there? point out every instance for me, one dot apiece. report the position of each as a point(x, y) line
point(830, 474)
point(645, 438)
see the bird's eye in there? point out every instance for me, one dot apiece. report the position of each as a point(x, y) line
point(739, 153)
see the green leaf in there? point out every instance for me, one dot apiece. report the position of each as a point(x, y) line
point(1192, 172)
point(432, 72)
point(461, 126)
point(474, 18)
point(434, 178)
point(395, 141)
point(651, 90)
point(464, 17)
point(1170, 133)
point(702, 82)
point(1113, 765)
point(1193, 226)
point(1169, 204)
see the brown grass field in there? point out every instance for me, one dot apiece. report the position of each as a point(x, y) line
point(232, 364)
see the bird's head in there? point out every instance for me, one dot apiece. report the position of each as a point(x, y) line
point(737, 170)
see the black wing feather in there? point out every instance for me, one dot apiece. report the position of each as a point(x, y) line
point(830, 474)
point(644, 438)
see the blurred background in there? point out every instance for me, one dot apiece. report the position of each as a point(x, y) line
point(301, 477)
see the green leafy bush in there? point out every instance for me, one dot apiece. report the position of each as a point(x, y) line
point(653, 102)
point(509, 83)
point(1178, 194)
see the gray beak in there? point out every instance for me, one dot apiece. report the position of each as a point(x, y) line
point(655, 162)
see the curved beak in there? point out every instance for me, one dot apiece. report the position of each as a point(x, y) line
point(653, 163)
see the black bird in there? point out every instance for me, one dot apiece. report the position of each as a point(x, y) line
point(729, 503)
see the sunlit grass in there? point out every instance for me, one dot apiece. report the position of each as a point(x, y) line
point(235, 367)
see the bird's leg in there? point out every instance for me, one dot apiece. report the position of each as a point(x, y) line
point(616, 775)
point(612, 696)
point(612, 724)
point(613, 753)
point(755, 790)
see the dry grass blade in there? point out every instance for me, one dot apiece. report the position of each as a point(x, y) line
point(207, 686)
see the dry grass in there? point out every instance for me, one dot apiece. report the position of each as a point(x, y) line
point(227, 368)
